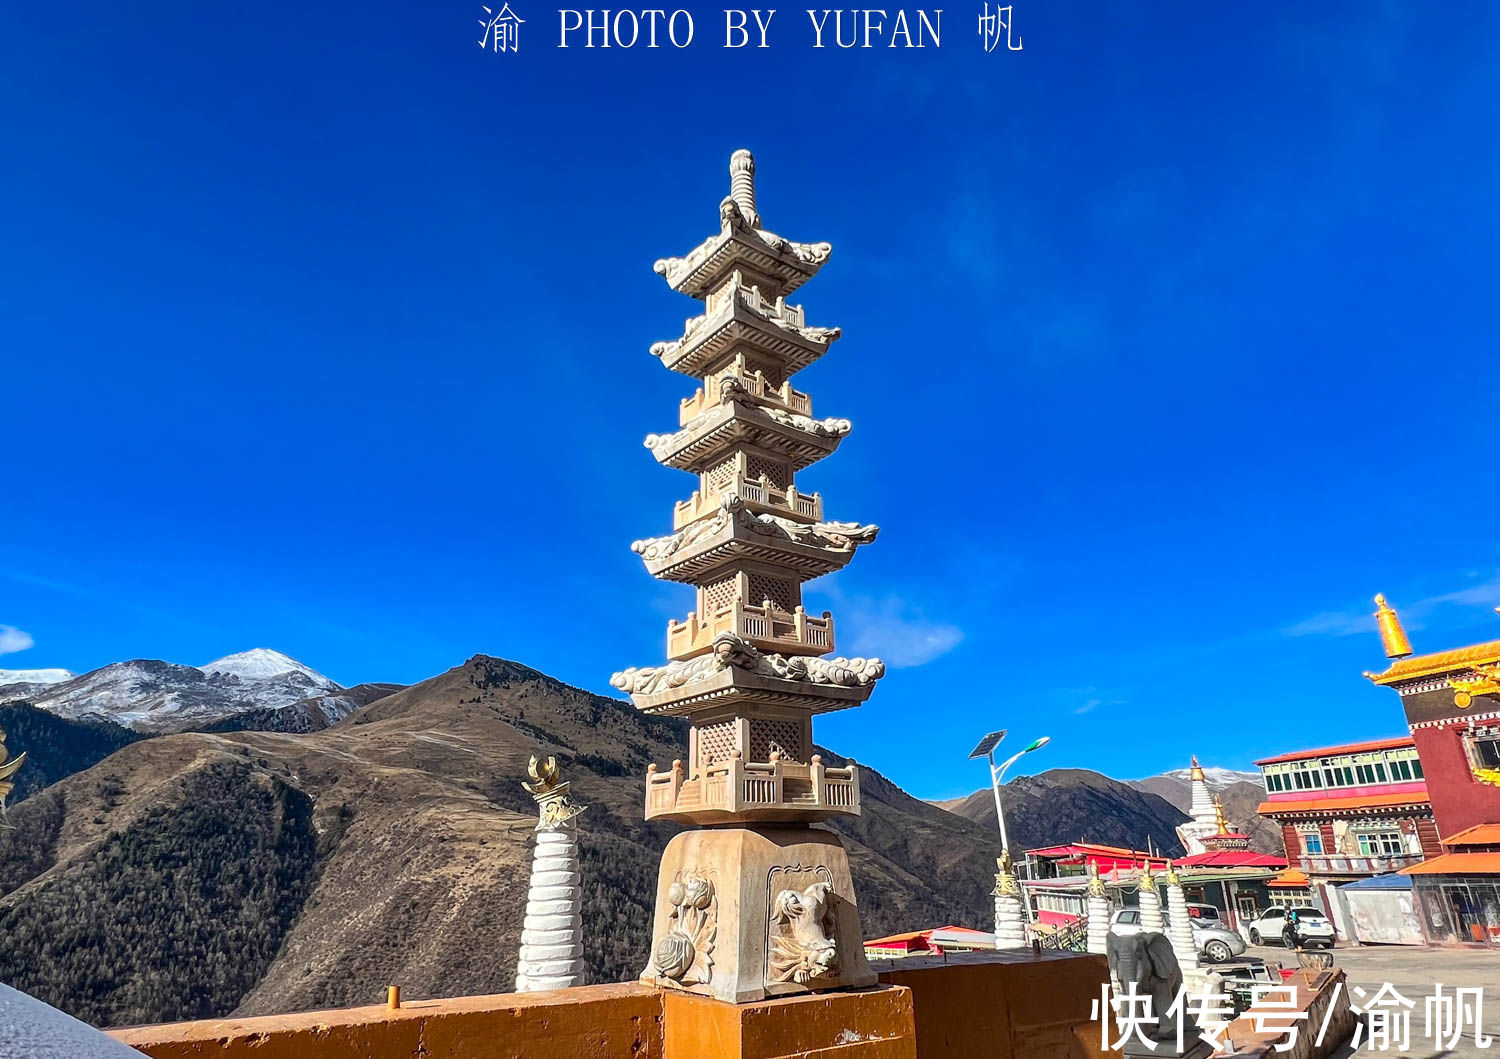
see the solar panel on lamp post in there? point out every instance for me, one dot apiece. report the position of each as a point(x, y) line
point(986, 748)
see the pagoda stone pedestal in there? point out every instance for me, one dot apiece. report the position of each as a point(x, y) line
point(762, 904)
point(747, 913)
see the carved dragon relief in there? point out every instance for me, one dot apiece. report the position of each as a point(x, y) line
point(731, 221)
point(842, 537)
point(802, 932)
point(665, 444)
point(731, 649)
point(684, 955)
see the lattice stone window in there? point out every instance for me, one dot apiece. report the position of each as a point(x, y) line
point(773, 372)
point(777, 472)
point(718, 595)
point(778, 590)
point(716, 742)
point(766, 736)
point(718, 477)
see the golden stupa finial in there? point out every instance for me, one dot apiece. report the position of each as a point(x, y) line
point(1006, 883)
point(1148, 881)
point(1096, 884)
point(1219, 816)
point(1172, 877)
point(1196, 773)
point(1392, 635)
point(550, 790)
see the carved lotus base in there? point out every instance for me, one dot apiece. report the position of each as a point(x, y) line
point(746, 913)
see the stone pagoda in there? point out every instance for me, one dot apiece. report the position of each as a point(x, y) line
point(761, 903)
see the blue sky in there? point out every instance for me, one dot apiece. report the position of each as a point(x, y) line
point(1168, 341)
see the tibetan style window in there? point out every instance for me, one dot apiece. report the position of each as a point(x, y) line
point(1380, 843)
point(1312, 842)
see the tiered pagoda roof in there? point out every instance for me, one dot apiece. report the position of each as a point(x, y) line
point(746, 665)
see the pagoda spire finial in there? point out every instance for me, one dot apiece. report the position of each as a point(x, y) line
point(742, 185)
point(1392, 635)
point(1219, 820)
point(1196, 772)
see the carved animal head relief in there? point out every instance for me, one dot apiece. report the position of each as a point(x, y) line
point(803, 935)
point(685, 952)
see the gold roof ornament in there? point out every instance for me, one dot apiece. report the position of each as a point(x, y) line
point(1196, 773)
point(1148, 881)
point(1096, 884)
point(1172, 877)
point(8, 767)
point(1219, 816)
point(551, 793)
point(1392, 635)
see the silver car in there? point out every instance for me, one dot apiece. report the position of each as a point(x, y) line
point(1215, 942)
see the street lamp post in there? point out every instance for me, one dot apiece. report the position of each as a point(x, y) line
point(997, 775)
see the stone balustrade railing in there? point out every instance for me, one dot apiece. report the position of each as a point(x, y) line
point(734, 785)
point(758, 491)
point(755, 384)
point(765, 626)
point(779, 310)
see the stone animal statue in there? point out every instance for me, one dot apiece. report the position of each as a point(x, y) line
point(1147, 960)
point(804, 947)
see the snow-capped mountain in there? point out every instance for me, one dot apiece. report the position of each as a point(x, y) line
point(23, 683)
point(1217, 778)
point(261, 663)
point(34, 676)
point(154, 696)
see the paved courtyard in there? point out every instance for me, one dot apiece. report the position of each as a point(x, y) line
point(1413, 972)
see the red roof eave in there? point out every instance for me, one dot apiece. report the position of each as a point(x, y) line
point(1393, 743)
point(1367, 801)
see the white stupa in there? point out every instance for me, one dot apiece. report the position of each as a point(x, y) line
point(552, 934)
point(1203, 821)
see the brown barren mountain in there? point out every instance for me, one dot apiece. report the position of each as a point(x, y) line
point(1075, 805)
point(192, 875)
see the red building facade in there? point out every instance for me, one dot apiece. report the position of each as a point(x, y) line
point(1350, 812)
point(1456, 731)
point(1452, 705)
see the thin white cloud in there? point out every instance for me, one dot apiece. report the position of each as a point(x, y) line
point(1414, 613)
point(1334, 623)
point(892, 631)
point(13, 639)
point(1096, 697)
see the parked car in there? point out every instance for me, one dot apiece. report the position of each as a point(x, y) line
point(1312, 925)
point(1215, 942)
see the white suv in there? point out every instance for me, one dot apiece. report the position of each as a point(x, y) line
point(1312, 925)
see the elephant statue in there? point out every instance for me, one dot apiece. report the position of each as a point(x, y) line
point(1146, 959)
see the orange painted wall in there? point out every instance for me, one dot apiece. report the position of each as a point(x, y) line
point(980, 1005)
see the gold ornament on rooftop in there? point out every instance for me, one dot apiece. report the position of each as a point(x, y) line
point(1483, 680)
point(1392, 635)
